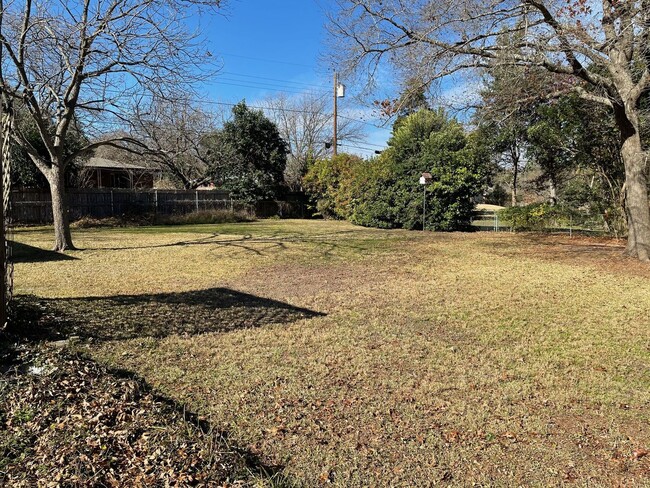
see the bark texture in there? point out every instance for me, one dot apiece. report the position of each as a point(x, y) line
point(62, 234)
point(636, 199)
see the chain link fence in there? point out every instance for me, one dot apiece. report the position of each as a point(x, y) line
point(543, 218)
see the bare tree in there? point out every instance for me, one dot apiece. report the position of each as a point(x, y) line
point(172, 136)
point(600, 48)
point(305, 122)
point(84, 62)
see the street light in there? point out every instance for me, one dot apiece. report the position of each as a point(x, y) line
point(425, 179)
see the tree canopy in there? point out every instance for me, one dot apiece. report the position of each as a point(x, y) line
point(597, 50)
point(248, 155)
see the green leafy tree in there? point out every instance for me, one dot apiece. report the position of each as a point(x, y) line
point(385, 192)
point(426, 141)
point(571, 137)
point(248, 156)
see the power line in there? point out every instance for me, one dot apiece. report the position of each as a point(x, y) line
point(120, 125)
point(280, 85)
point(296, 92)
point(369, 144)
point(260, 107)
point(257, 107)
point(271, 79)
point(360, 147)
point(277, 109)
point(275, 61)
point(363, 122)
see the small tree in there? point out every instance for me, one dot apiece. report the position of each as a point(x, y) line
point(248, 156)
point(171, 135)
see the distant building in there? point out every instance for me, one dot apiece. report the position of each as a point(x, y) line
point(106, 173)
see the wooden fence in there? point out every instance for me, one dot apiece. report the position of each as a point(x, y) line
point(35, 206)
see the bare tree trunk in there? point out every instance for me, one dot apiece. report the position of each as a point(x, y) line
point(515, 175)
point(62, 234)
point(637, 208)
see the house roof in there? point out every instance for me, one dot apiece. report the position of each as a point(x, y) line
point(111, 164)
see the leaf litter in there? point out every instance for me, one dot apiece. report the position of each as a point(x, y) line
point(67, 421)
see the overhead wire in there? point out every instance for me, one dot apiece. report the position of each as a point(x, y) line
point(368, 144)
point(231, 73)
point(295, 91)
point(361, 147)
point(117, 125)
point(273, 61)
point(203, 101)
point(363, 122)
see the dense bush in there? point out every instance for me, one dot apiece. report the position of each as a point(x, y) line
point(215, 216)
point(541, 216)
point(329, 182)
point(385, 191)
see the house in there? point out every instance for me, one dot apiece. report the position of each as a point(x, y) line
point(107, 173)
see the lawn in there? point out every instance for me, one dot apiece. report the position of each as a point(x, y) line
point(359, 357)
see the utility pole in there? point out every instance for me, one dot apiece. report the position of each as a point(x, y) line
point(336, 103)
point(339, 92)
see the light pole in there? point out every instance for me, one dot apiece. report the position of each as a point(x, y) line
point(425, 179)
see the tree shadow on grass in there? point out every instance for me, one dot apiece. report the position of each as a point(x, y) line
point(214, 453)
point(152, 315)
point(24, 253)
point(272, 474)
point(326, 244)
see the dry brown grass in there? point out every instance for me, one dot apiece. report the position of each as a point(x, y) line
point(459, 359)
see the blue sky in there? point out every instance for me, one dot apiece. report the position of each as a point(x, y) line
point(271, 47)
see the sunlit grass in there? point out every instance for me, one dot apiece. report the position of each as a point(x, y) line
point(495, 359)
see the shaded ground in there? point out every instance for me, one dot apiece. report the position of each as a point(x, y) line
point(456, 359)
point(154, 315)
point(65, 421)
point(24, 253)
